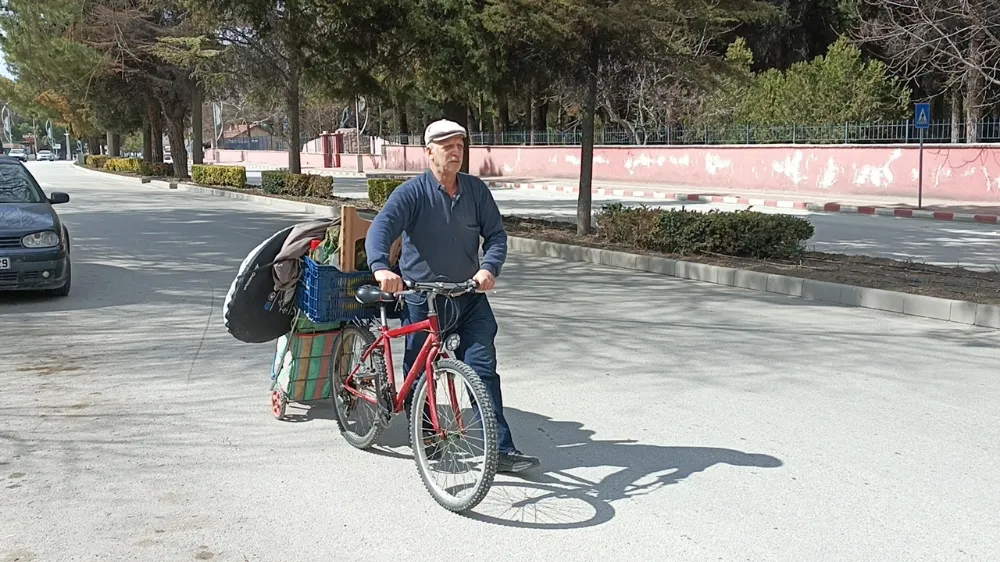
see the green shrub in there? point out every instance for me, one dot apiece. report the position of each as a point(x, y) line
point(320, 186)
point(273, 181)
point(379, 189)
point(296, 185)
point(156, 169)
point(127, 165)
point(749, 234)
point(211, 174)
point(96, 161)
point(633, 226)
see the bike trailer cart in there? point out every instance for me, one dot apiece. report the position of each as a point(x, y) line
point(303, 357)
point(300, 370)
point(325, 302)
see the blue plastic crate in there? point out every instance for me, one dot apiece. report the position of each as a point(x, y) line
point(326, 294)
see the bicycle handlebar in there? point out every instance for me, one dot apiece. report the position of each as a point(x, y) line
point(440, 287)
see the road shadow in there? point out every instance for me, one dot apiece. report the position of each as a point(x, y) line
point(555, 496)
point(154, 256)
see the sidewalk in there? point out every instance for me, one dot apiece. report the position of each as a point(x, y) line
point(903, 207)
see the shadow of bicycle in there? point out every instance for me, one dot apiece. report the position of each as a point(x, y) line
point(553, 498)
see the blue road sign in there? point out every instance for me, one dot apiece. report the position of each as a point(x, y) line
point(922, 115)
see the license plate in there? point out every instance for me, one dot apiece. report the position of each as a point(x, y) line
point(4, 263)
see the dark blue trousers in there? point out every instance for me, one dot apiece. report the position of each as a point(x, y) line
point(471, 317)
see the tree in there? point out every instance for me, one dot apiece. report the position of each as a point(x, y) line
point(141, 40)
point(836, 88)
point(584, 38)
point(54, 74)
point(953, 39)
point(287, 45)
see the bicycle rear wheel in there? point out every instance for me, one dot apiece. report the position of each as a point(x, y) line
point(369, 380)
point(469, 446)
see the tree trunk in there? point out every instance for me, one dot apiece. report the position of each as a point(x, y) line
point(175, 112)
point(114, 144)
point(541, 117)
point(583, 204)
point(197, 122)
point(94, 144)
point(399, 107)
point(147, 143)
point(482, 113)
point(531, 115)
point(293, 106)
point(458, 113)
point(154, 116)
point(973, 91)
point(503, 112)
point(956, 115)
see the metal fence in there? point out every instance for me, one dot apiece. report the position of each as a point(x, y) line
point(987, 131)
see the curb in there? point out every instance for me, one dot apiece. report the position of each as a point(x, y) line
point(816, 207)
point(960, 312)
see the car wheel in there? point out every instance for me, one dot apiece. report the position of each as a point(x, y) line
point(64, 290)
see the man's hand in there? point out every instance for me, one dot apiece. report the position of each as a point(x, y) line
point(485, 280)
point(388, 281)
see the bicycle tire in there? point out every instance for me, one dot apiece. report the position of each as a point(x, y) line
point(380, 420)
point(490, 439)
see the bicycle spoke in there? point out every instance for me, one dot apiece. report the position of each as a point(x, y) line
point(357, 411)
point(458, 465)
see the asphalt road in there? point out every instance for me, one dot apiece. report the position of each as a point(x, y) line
point(675, 420)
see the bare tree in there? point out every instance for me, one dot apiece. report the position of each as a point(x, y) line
point(957, 40)
point(648, 95)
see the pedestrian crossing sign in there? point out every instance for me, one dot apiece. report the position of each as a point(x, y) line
point(922, 115)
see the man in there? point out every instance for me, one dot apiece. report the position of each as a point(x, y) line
point(440, 215)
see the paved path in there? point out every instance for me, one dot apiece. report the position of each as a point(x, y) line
point(676, 420)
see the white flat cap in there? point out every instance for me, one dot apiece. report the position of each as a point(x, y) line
point(442, 129)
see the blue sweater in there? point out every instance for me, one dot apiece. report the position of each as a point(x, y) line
point(440, 234)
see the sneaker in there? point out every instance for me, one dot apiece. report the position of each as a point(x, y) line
point(516, 462)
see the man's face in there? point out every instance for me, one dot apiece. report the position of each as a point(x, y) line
point(446, 155)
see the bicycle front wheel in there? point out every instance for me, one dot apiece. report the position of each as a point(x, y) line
point(458, 467)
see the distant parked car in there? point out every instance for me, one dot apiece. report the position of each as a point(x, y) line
point(18, 153)
point(34, 242)
point(46, 155)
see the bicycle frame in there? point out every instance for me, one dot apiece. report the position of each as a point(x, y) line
point(424, 362)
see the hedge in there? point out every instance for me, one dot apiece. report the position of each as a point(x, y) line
point(282, 182)
point(156, 169)
point(320, 186)
point(379, 189)
point(96, 161)
point(212, 174)
point(747, 233)
point(128, 165)
point(273, 181)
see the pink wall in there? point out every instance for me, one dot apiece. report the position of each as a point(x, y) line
point(348, 162)
point(263, 157)
point(964, 172)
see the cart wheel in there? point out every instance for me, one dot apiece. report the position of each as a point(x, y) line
point(278, 402)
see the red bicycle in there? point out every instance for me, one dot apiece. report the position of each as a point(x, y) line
point(444, 436)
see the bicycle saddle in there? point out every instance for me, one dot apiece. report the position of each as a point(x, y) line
point(371, 294)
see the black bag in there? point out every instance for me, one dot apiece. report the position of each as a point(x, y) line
point(252, 310)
